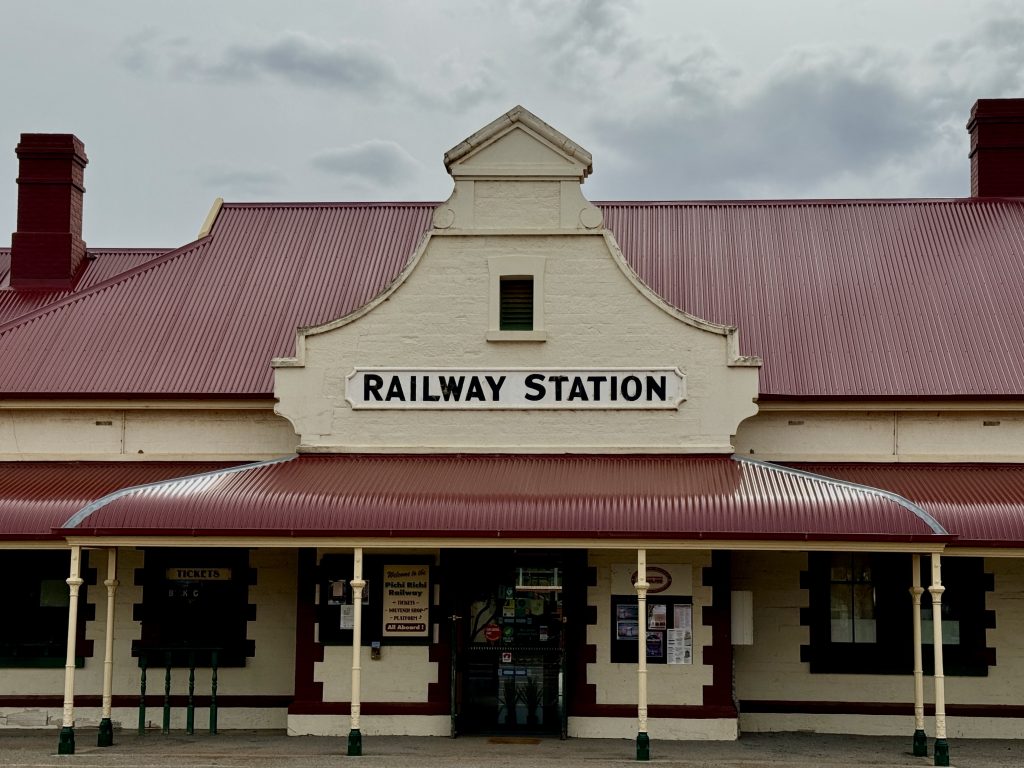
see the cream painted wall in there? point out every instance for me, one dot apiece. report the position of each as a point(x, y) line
point(771, 667)
point(270, 671)
point(113, 434)
point(667, 684)
point(946, 433)
point(594, 317)
point(517, 194)
point(402, 674)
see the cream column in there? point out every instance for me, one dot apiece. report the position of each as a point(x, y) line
point(66, 743)
point(936, 590)
point(916, 590)
point(105, 738)
point(355, 738)
point(643, 741)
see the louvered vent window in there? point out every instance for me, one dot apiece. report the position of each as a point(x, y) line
point(516, 313)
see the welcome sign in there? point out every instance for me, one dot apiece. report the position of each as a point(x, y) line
point(543, 388)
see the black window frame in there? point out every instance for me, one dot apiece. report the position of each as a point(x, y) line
point(892, 652)
point(226, 627)
point(33, 635)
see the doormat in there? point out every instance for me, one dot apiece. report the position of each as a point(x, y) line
point(512, 740)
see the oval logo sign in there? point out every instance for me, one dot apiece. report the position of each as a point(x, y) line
point(658, 578)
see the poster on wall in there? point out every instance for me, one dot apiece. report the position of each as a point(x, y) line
point(347, 617)
point(406, 603)
point(655, 645)
point(680, 638)
point(626, 623)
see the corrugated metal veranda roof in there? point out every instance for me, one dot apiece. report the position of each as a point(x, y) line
point(510, 497)
point(37, 496)
point(983, 504)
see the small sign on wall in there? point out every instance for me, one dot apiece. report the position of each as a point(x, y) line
point(665, 578)
point(198, 574)
point(406, 601)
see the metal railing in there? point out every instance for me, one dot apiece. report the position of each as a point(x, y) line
point(169, 655)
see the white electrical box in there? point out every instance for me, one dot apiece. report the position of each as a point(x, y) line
point(743, 618)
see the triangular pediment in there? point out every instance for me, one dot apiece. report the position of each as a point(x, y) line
point(518, 144)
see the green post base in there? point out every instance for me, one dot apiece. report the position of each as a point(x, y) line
point(643, 746)
point(920, 743)
point(66, 745)
point(105, 738)
point(355, 743)
point(941, 752)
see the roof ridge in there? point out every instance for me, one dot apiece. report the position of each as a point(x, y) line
point(812, 201)
point(75, 297)
point(335, 204)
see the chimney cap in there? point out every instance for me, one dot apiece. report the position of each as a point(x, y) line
point(52, 144)
point(996, 108)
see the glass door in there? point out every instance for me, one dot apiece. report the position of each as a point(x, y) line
point(513, 651)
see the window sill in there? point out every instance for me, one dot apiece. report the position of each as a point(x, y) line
point(517, 335)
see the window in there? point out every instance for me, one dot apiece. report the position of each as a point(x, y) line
point(335, 609)
point(34, 632)
point(861, 619)
point(195, 601)
point(516, 310)
point(852, 600)
point(516, 304)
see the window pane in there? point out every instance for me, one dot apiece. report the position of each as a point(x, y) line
point(54, 593)
point(840, 570)
point(864, 631)
point(864, 601)
point(841, 607)
point(950, 632)
point(862, 568)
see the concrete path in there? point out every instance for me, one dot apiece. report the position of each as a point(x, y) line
point(271, 749)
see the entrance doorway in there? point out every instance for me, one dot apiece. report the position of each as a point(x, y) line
point(509, 665)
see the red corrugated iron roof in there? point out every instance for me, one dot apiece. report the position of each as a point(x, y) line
point(852, 299)
point(37, 496)
point(842, 299)
point(983, 504)
point(208, 318)
point(101, 264)
point(510, 497)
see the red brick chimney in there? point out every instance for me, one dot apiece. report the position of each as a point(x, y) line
point(997, 148)
point(47, 251)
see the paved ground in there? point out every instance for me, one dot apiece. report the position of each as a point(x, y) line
point(262, 749)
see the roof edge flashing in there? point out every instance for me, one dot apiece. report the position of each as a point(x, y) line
point(920, 512)
point(85, 512)
point(211, 218)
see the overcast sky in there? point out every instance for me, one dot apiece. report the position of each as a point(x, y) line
point(179, 103)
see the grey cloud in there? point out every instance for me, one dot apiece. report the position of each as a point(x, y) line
point(588, 37)
point(988, 58)
point(374, 162)
point(294, 58)
point(240, 183)
point(818, 117)
point(306, 61)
